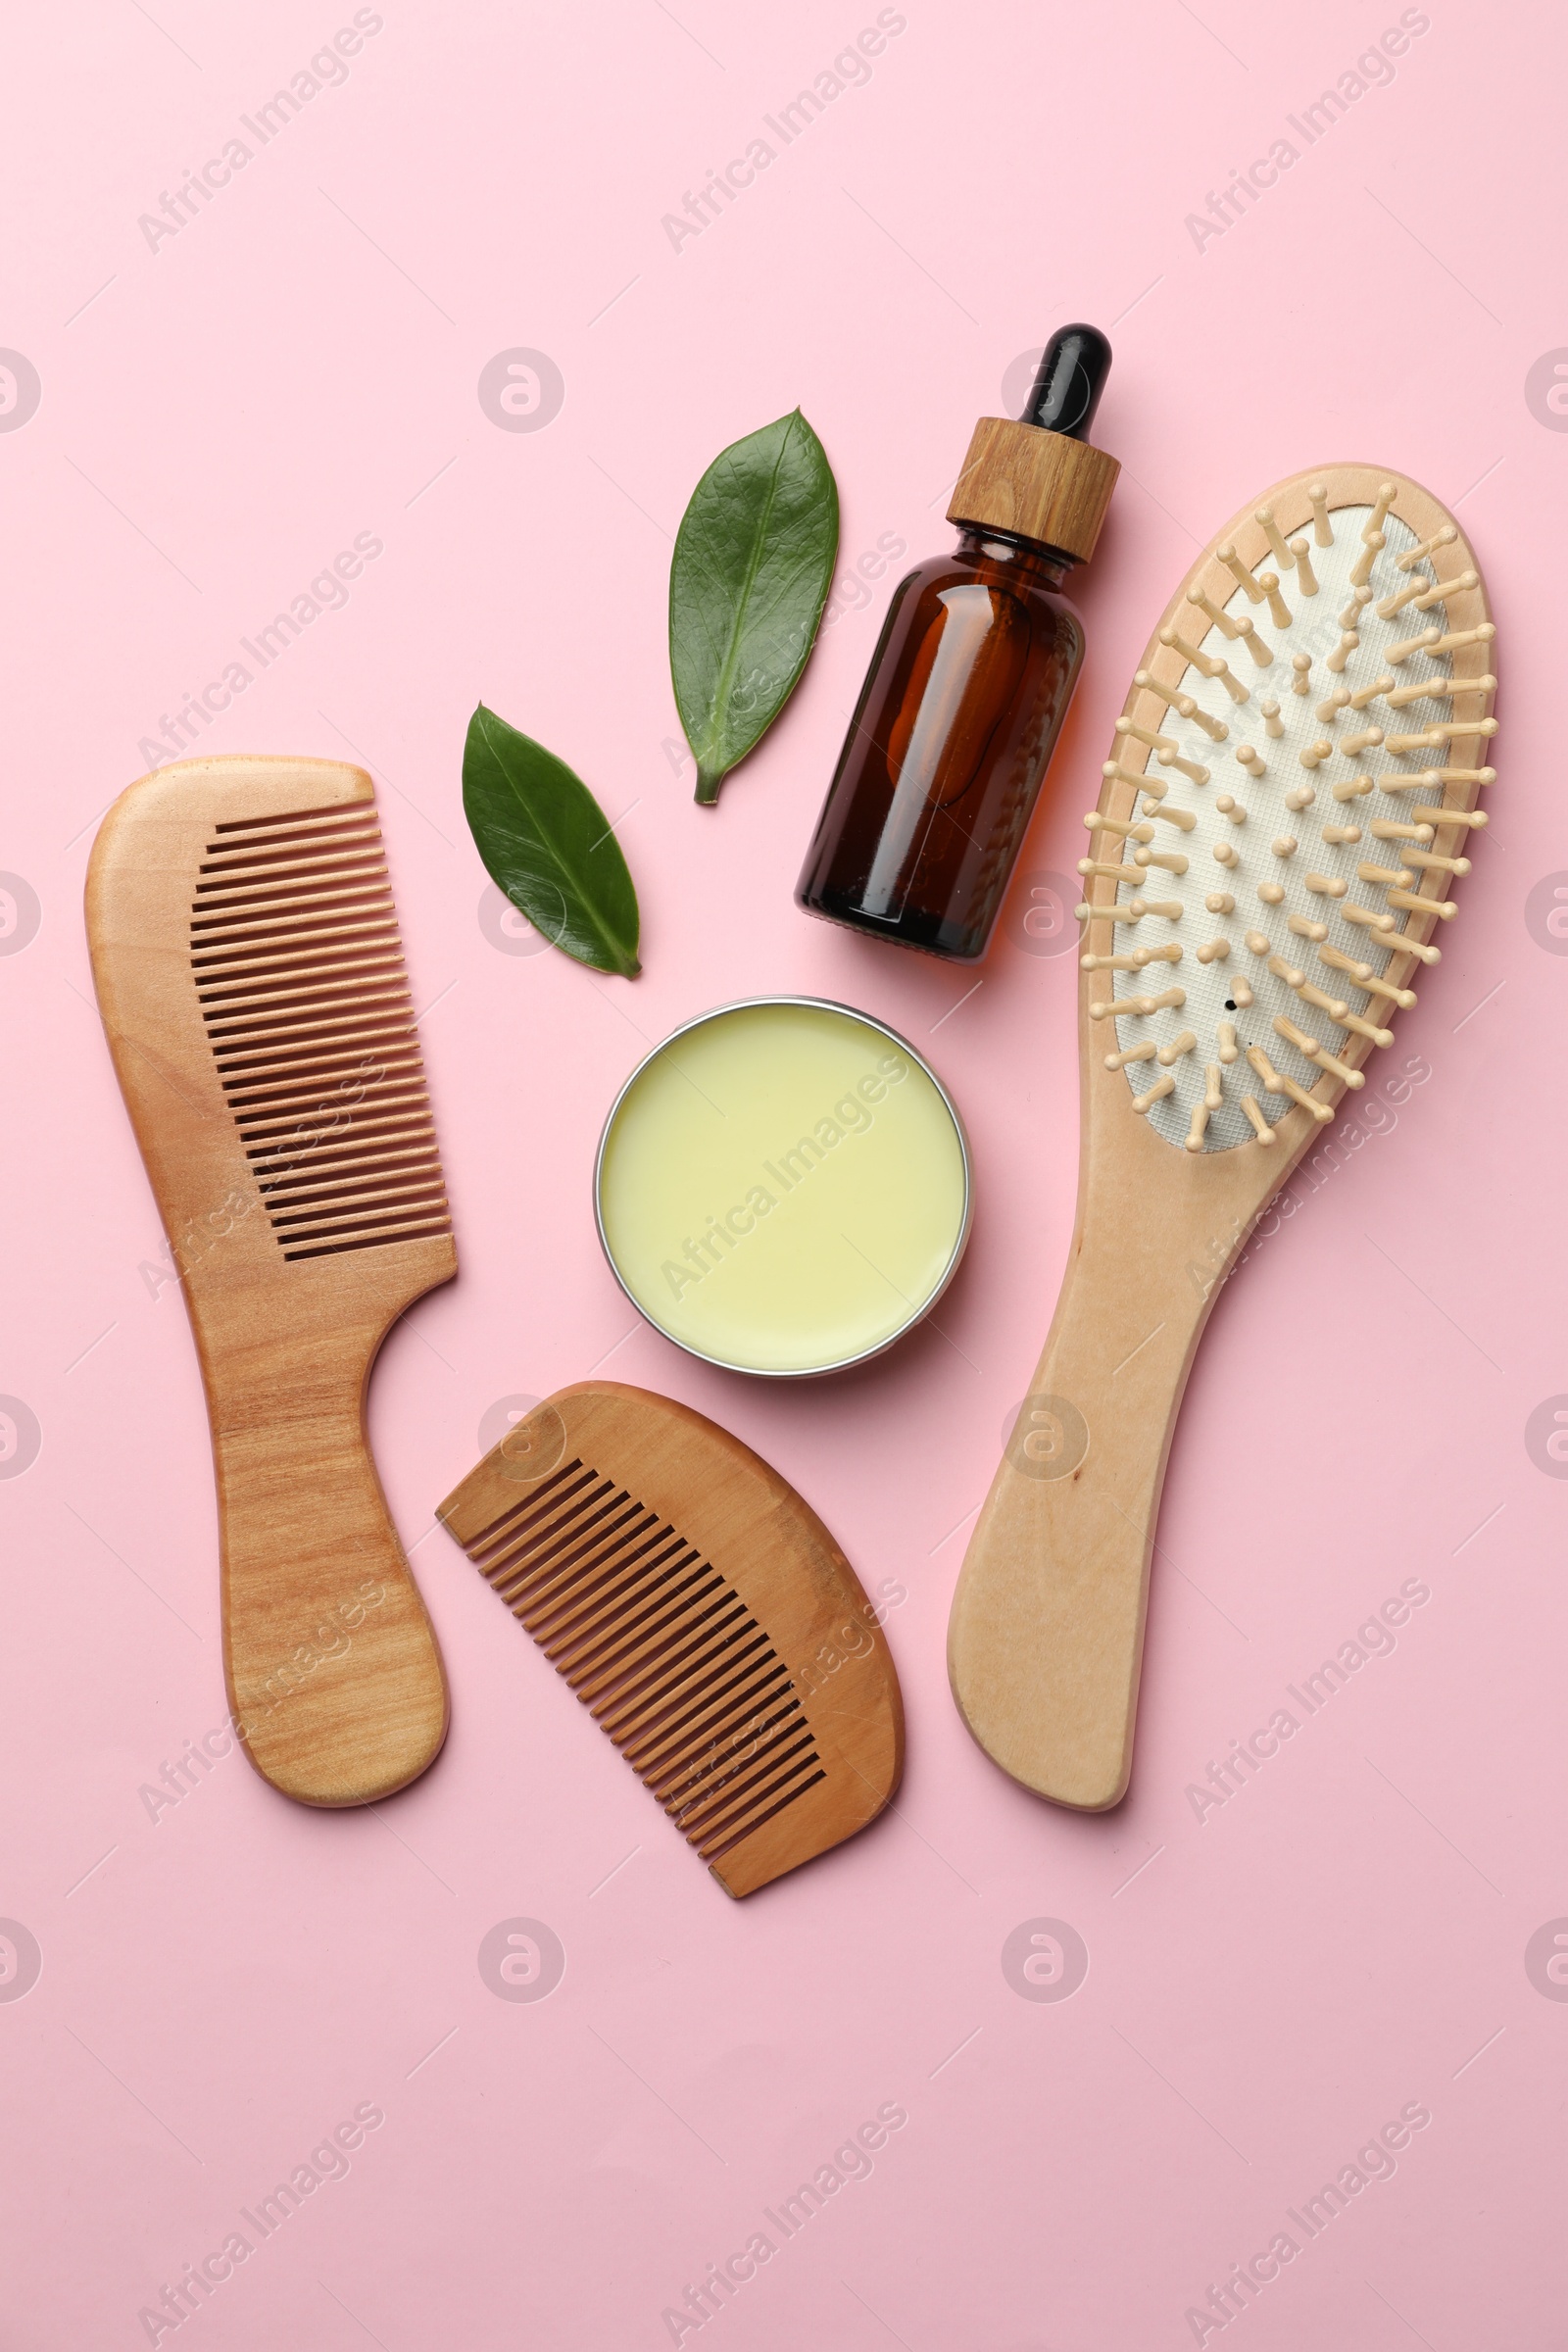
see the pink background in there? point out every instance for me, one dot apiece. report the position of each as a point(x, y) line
point(1267, 1985)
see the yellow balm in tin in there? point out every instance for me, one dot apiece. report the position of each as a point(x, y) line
point(783, 1186)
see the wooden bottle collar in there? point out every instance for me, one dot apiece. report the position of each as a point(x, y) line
point(1034, 484)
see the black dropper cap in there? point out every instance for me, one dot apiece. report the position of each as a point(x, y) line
point(1072, 375)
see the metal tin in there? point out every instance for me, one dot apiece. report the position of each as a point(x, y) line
point(868, 1021)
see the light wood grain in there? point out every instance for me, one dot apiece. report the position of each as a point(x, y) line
point(1047, 1632)
point(1036, 484)
point(704, 1614)
point(249, 973)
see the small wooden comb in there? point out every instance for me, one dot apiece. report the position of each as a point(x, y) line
point(249, 971)
point(701, 1613)
point(1290, 798)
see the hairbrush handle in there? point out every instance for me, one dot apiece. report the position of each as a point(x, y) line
point(1046, 1641)
point(333, 1672)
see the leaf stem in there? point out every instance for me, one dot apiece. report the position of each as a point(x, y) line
point(709, 780)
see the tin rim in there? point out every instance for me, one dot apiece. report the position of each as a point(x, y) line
point(845, 1364)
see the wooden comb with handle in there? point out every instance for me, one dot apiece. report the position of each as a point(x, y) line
point(1290, 798)
point(250, 974)
point(701, 1613)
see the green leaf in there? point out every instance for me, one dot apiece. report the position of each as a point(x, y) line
point(545, 841)
point(754, 559)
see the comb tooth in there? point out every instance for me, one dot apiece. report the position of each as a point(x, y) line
point(1366, 739)
point(1301, 664)
point(1372, 544)
point(1142, 1104)
point(1409, 901)
point(1259, 1124)
point(1262, 651)
point(719, 1790)
point(1388, 492)
point(298, 969)
point(1322, 529)
point(662, 1651)
point(586, 1606)
point(642, 1626)
point(707, 1823)
point(665, 1642)
point(660, 1737)
point(495, 1535)
point(715, 1853)
point(666, 1749)
point(601, 1557)
point(533, 1521)
point(697, 1773)
point(1369, 694)
point(541, 1543)
point(1249, 757)
point(1120, 1060)
point(1349, 639)
point(1227, 1041)
point(681, 1614)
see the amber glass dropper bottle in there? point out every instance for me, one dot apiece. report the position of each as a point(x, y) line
point(970, 682)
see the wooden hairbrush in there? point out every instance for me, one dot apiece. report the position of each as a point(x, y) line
point(249, 971)
point(701, 1613)
point(1290, 798)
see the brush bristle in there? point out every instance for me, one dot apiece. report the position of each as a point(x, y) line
point(298, 971)
point(660, 1647)
point(1296, 730)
